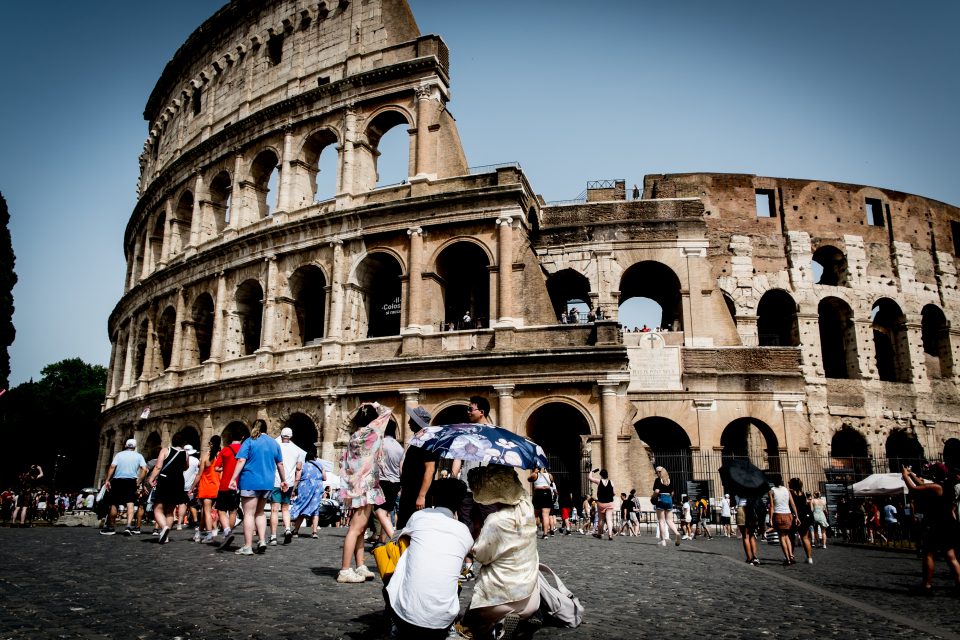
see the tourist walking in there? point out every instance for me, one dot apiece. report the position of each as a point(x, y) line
point(124, 476)
point(308, 495)
point(389, 470)
point(804, 517)
point(293, 459)
point(783, 517)
point(167, 481)
point(258, 458)
point(27, 486)
point(662, 499)
point(750, 515)
point(542, 498)
point(228, 500)
point(360, 484)
point(820, 523)
point(206, 487)
point(605, 494)
point(702, 510)
point(933, 493)
point(726, 516)
point(416, 471)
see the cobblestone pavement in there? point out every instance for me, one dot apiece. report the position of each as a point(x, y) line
point(74, 583)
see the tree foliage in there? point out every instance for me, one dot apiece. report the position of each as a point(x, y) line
point(7, 280)
point(54, 423)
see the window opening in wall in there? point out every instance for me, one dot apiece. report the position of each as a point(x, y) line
point(392, 157)
point(569, 290)
point(275, 48)
point(464, 272)
point(955, 231)
point(659, 290)
point(829, 267)
point(273, 193)
point(874, 212)
point(765, 203)
point(196, 100)
point(777, 320)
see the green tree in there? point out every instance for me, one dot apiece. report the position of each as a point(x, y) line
point(55, 423)
point(7, 280)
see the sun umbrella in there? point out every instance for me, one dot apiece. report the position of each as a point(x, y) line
point(881, 484)
point(742, 478)
point(481, 442)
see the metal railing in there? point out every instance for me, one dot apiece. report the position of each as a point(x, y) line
point(491, 168)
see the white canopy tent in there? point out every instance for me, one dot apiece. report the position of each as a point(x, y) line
point(880, 484)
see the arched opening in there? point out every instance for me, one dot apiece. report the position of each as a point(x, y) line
point(378, 279)
point(320, 160)
point(935, 334)
point(849, 452)
point(140, 355)
point(453, 414)
point(181, 223)
point(829, 267)
point(264, 178)
point(191, 436)
point(390, 149)
point(236, 431)
point(558, 428)
point(220, 191)
point(200, 331)
point(151, 448)
point(838, 339)
point(249, 301)
point(753, 440)
point(777, 320)
point(569, 291)
point(308, 289)
point(668, 446)
point(165, 330)
point(464, 273)
point(903, 448)
point(951, 453)
point(305, 433)
point(731, 307)
point(156, 241)
point(655, 283)
point(890, 342)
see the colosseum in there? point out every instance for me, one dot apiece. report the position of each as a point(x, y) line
point(805, 325)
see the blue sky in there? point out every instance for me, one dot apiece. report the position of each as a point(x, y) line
point(855, 91)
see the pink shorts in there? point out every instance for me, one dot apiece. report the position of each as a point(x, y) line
point(604, 507)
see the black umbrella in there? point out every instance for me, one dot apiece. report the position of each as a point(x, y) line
point(742, 478)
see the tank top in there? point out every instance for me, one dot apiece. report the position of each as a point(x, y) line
point(542, 481)
point(781, 500)
point(605, 491)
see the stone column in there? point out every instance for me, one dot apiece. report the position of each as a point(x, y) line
point(196, 221)
point(415, 282)
point(505, 273)
point(206, 431)
point(100, 469)
point(348, 154)
point(111, 372)
point(237, 197)
point(167, 231)
point(329, 437)
point(424, 158)
point(219, 319)
point(609, 427)
point(148, 353)
point(175, 351)
point(411, 399)
point(286, 170)
point(505, 406)
point(269, 307)
point(335, 315)
point(147, 266)
point(134, 276)
point(128, 360)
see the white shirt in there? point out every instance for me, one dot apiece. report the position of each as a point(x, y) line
point(292, 455)
point(725, 507)
point(390, 462)
point(423, 589)
point(193, 466)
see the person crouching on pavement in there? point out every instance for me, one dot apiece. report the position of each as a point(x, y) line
point(506, 587)
point(422, 595)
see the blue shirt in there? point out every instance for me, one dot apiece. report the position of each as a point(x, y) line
point(128, 463)
point(262, 455)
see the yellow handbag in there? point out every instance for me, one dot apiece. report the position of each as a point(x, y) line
point(387, 555)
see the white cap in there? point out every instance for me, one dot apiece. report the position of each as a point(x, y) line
point(131, 444)
point(286, 432)
point(188, 448)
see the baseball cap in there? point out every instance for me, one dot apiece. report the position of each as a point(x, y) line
point(188, 448)
point(131, 444)
point(286, 432)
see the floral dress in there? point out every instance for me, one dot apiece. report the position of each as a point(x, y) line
point(359, 475)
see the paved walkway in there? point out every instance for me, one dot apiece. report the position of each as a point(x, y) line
point(74, 583)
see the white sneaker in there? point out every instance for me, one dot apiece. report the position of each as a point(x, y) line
point(364, 573)
point(809, 560)
point(663, 543)
point(349, 576)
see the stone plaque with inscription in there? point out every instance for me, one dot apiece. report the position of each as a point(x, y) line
point(653, 365)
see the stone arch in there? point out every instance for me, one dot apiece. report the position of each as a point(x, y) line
point(305, 432)
point(658, 283)
point(569, 289)
point(463, 276)
point(308, 291)
point(903, 448)
point(731, 306)
point(198, 334)
point(191, 436)
point(891, 345)
point(166, 326)
point(156, 239)
point(831, 263)
point(935, 333)
point(313, 153)
point(667, 444)
point(777, 320)
point(838, 338)
point(377, 294)
point(151, 446)
point(218, 209)
point(181, 223)
point(248, 300)
point(559, 428)
point(140, 349)
point(452, 412)
point(751, 439)
point(951, 453)
point(264, 181)
point(235, 430)
point(378, 124)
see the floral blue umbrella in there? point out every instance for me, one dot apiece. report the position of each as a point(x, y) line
point(481, 442)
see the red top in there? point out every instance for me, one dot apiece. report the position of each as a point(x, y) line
point(227, 458)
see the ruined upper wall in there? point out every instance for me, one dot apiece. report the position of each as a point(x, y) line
point(830, 212)
point(253, 54)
